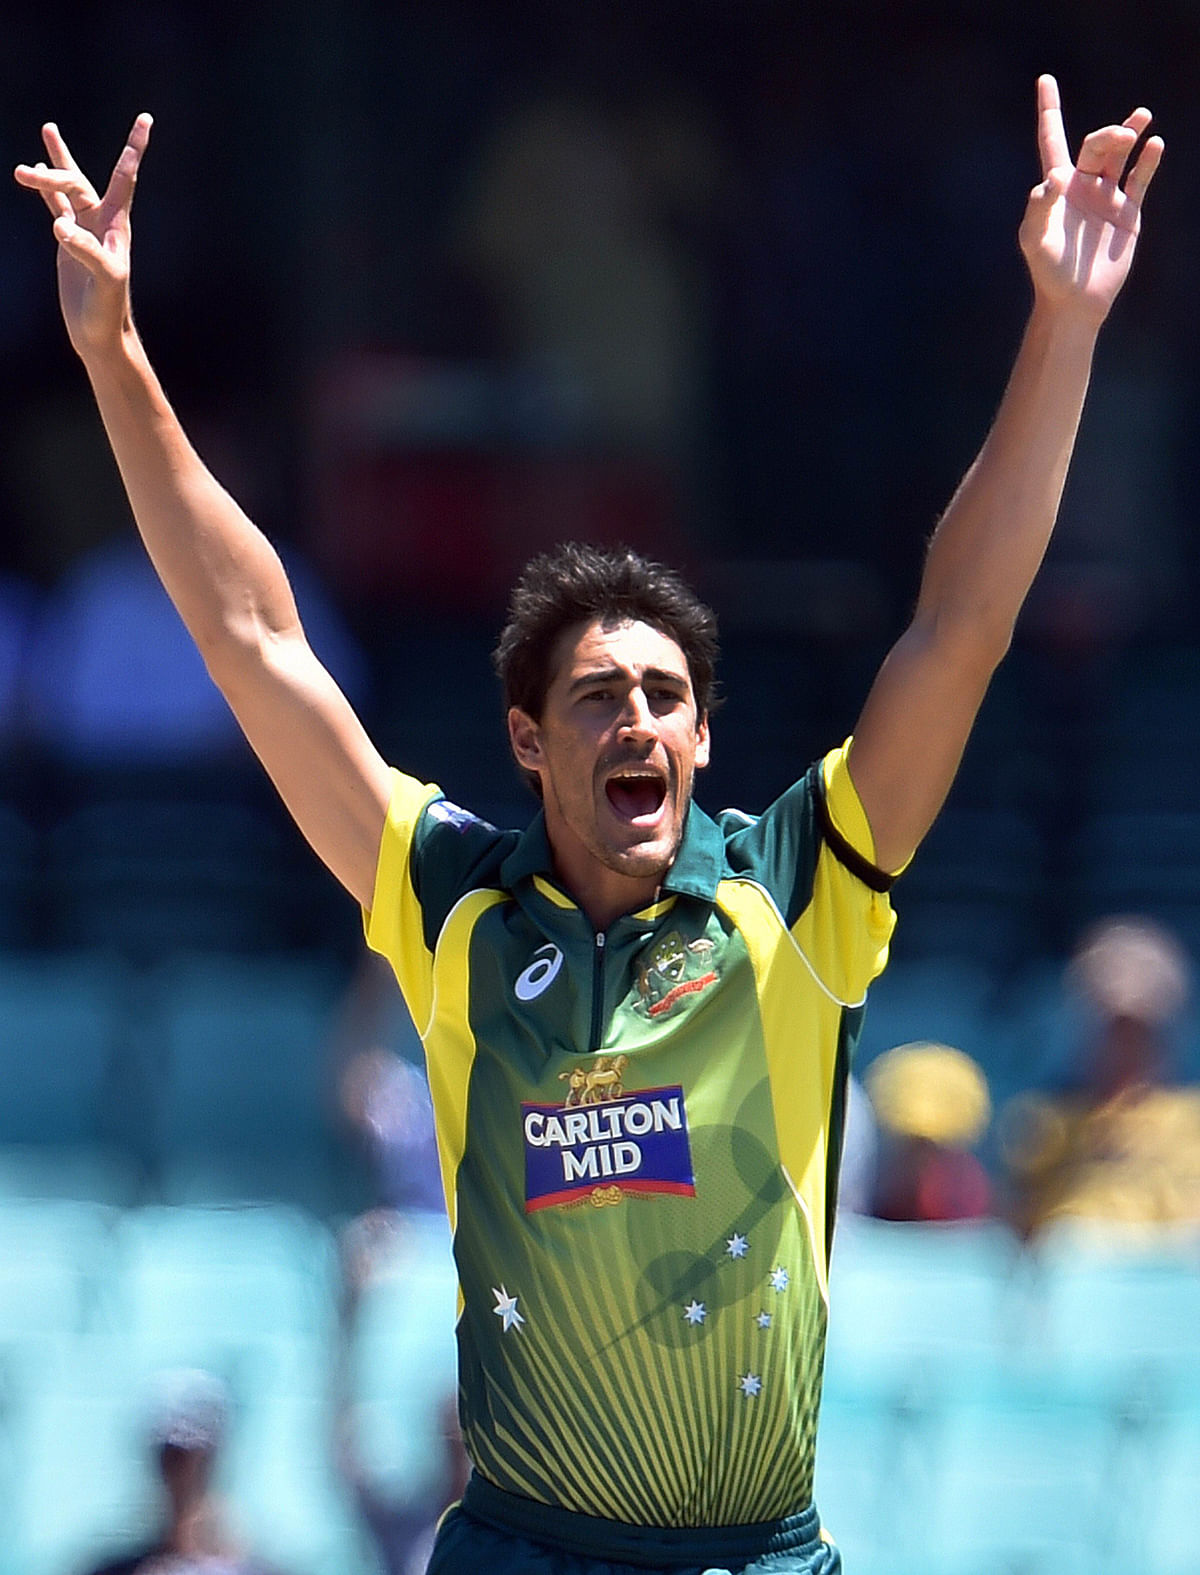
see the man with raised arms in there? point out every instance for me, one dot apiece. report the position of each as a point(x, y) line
point(637, 1019)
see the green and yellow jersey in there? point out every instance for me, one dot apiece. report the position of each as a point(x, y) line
point(639, 1134)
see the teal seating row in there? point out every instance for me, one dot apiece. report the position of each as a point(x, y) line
point(95, 1301)
point(168, 1067)
point(211, 1078)
point(992, 1409)
point(981, 1401)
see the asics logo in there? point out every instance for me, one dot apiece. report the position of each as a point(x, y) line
point(539, 975)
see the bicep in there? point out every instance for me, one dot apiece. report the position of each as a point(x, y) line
point(911, 735)
point(330, 776)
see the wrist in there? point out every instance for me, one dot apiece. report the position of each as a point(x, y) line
point(1066, 323)
point(1068, 315)
point(113, 355)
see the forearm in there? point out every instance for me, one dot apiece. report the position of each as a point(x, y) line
point(218, 568)
point(992, 538)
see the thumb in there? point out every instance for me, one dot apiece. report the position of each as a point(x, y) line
point(78, 242)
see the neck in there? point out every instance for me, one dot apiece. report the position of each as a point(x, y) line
point(605, 896)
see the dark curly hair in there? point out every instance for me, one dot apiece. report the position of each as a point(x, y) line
point(578, 583)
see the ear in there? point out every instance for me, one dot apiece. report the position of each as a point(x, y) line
point(703, 743)
point(525, 740)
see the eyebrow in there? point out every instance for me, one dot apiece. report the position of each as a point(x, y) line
point(611, 675)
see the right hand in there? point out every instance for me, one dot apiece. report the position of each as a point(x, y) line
point(93, 235)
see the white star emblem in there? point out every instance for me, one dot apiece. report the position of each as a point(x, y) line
point(750, 1384)
point(736, 1246)
point(695, 1312)
point(779, 1279)
point(506, 1309)
point(763, 1320)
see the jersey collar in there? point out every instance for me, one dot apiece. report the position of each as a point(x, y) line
point(696, 871)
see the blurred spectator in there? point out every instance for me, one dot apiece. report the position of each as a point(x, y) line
point(386, 1099)
point(188, 1428)
point(932, 1104)
point(1119, 1141)
point(384, 1093)
point(115, 679)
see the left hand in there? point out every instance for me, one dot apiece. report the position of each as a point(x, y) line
point(1081, 226)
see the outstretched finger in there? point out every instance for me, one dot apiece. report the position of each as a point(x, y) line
point(60, 155)
point(119, 191)
point(1142, 173)
point(58, 186)
point(1052, 137)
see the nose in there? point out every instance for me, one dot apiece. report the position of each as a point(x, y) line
point(637, 720)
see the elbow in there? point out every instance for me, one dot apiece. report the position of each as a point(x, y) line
point(235, 653)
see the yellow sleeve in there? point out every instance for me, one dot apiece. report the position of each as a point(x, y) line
point(846, 928)
point(393, 923)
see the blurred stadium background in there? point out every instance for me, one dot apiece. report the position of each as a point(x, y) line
point(435, 285)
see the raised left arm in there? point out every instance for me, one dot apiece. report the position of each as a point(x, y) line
point(1078, 238)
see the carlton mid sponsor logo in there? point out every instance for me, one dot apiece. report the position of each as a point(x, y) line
point(634, 1142)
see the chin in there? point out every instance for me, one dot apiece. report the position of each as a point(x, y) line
point(644, 860)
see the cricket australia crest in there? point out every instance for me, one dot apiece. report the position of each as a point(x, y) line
point(672, 970)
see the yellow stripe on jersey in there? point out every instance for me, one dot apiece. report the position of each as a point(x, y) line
point(393, 923)
point(552, 893)
point(449, 1041)
point(797, 1014)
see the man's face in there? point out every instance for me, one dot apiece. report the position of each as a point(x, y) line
point(616, 749)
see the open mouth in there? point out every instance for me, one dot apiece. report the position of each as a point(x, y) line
point(636, 795)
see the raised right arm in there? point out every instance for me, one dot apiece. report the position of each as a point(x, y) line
point(220, 571)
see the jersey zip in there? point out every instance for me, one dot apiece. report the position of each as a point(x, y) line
point(597, 1031)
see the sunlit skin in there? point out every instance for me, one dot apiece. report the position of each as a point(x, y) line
point(616, 750)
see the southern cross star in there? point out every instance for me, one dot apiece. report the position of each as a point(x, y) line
point(695, 1312)
point(750, 1384)
point(737, 1246)
point(779, 1279)
point(506, 1310)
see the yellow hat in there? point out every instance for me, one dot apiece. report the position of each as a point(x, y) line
point(930, 1091)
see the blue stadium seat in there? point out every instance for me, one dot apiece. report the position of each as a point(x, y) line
point(83, 1422)
point(1121, 1309)
point(96, 1173)
point(283, 1478)
point(1171, 1524)
point(246, 1063)
point(919, 1314)
point(209, 1286)
point(57, 1257)
point(402, 1360)
point(61, 1024)
point(1022, 1485)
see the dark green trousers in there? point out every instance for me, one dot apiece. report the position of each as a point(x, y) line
point(496, 1533)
